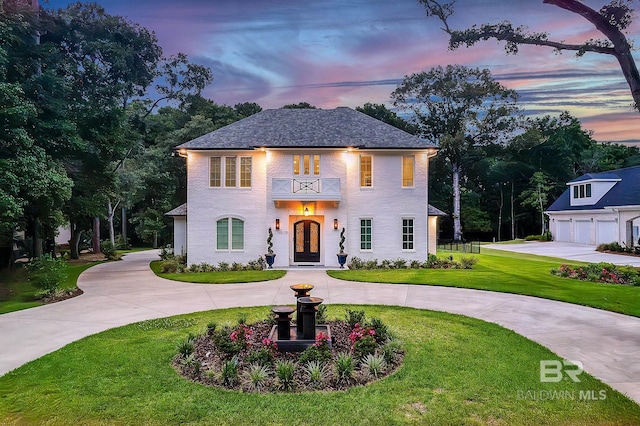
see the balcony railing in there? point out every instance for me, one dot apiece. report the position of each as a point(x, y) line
point(306, 189)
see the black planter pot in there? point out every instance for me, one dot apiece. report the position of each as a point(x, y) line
point(270, 258)
point(342, 259)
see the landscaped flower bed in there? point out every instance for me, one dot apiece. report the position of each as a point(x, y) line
point(432, 262)
point(600, 272)
point(242, 357)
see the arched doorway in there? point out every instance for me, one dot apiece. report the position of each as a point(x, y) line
point(306, 241)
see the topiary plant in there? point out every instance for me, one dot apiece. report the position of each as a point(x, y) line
point(269, 242)
point(341, 245)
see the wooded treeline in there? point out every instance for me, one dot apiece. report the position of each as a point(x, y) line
point(91, 110)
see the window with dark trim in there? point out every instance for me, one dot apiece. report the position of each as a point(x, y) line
point(407, 234)
point(365, 234)
point(582, 191)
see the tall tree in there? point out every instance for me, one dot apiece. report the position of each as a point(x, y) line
point(384, 114)
point(459, 109)
point(612, 20)
point(537, 196)
point(299, 105)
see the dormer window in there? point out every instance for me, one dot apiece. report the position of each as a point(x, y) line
point(582, 191)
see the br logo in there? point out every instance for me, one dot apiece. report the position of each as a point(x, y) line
point(553, 371)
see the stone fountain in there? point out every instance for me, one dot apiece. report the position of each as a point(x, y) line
point(296, 338)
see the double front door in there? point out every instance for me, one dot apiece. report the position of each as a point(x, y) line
point(306, 241)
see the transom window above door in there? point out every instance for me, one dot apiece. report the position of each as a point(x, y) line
point(306, 165)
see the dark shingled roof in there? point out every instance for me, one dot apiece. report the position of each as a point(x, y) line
point(624, 193)
point(178, 211)
point(314, 128)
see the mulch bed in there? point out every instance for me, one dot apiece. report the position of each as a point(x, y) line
point(61, 295)
point(211, 361)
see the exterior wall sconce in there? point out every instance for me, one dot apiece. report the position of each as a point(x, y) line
point(306, 211)
point(277, 223)
point(335, 223)
point(591, 220)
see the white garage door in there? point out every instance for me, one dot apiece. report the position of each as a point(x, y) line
point(563, 231)
point(606, 231)
point(583, 231)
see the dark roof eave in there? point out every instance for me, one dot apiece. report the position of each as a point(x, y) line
point(255, 148)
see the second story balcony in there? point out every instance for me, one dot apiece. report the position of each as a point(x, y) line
point(305, 189)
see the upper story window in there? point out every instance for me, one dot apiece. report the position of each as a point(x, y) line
point(407, 171)
point(245, 172)
point(366, 171)
point(230, 172)
point(215, 172)
point(582, 191)
point(306, 165)
point(226, 170)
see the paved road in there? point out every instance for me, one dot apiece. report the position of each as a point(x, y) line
point(120, 293)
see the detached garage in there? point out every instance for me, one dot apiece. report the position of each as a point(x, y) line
point(599, 208)
point(563, 231)
point(606, 231)
point(583, 231)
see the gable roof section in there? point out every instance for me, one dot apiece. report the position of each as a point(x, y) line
point(626, 192)
point(314, 128)
point(433, 211)
point(596, 176)
point(181, 210)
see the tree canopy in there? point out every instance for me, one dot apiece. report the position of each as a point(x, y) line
point(459, 109)
point(612, 21)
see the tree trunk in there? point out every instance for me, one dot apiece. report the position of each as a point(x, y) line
point(95, 241)
point(75, 242)
point(155, 239)
point(456, 170)
point(36, 239)
point(541, 208)
point(513, 214)
point(125, 241)
point(500, 205)
point(111, 210)
point(621, 47)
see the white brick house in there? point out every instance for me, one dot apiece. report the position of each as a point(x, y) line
point(306, 173)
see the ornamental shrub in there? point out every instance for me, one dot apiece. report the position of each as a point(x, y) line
point(46, 273)
point(109, 250)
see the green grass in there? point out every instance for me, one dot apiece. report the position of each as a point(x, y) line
point(509, 272)
point(457, 371)
point(16, 293)
point(219, 277)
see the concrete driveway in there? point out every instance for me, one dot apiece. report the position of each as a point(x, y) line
point(569, 251)
point(120, 293)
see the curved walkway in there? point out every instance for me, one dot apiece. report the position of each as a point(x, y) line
point(120, 293)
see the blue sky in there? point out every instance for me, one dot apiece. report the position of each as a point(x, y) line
point(347, 52)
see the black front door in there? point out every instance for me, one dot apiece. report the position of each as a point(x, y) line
point(306, 240)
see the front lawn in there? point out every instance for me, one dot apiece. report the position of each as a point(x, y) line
point(456, 371)
point(509, 272)
point(16, 293)
point(228, 277)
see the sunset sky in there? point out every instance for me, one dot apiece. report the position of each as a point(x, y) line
point(347, 52)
